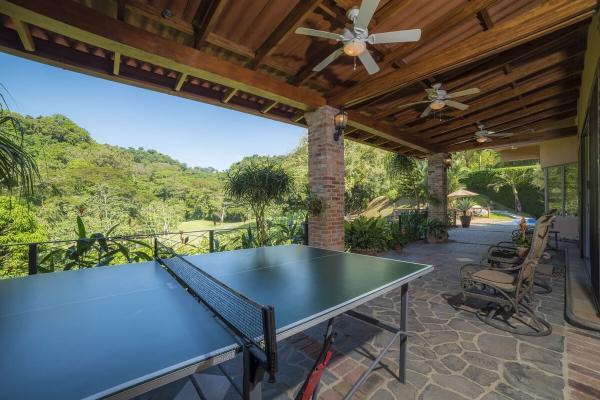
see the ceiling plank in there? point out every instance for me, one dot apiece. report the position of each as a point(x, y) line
point(24, 34)
point(541, 20)
point(79, 22)
point(292, 21)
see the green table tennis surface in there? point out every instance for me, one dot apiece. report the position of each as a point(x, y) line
point(92, 333)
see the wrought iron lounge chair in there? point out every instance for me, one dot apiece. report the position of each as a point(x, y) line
point(506, 296)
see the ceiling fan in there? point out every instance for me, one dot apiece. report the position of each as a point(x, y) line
point(438, 98)
point(355, 37)
point(483, 135)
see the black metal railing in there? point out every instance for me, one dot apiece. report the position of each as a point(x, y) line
point(19, 259)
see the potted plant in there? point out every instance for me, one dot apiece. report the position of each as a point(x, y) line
point(434, 231)
point(522, 240)
point(464, 205)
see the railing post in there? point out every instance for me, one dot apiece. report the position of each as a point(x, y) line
point(33, 258)
point(155, 242)
point(211, 241)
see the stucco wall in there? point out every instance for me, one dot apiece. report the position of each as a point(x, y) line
point(558, 152)
point(592, 55)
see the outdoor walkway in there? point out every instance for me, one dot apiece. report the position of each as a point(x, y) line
point(452, 355)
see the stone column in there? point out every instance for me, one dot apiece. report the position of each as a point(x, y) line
point(437, 183)
point(326, 179)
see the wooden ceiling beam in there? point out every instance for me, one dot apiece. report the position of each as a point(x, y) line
point(512, 108)
point(519, 121)
point(539, 21)
point(289, 24)
point(553, 81)
point(82, 23)
point(205, 23)
point(552, 51)
point(388, 131)
point(268, 107)
point(488, 84)
point(24, 34)
point(544, 108)
point(228, 95)
point(518, 140)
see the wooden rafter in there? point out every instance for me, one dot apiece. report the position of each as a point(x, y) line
point(285, 28)
point(24, 34)
point(268, 107)
point(77, 21)
point(539, 21)
point(180, 81)
point(542, 84)
point(204, 24)
point(155, 14)
point(550, 106)
point(116, 63)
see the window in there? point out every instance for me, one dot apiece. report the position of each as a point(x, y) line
point(561, 189)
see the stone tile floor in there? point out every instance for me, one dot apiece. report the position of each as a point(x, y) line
point(451, 354)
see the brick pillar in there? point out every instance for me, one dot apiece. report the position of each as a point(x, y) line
point(437, 183)
point(326, 179)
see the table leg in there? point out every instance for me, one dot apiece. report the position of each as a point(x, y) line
point(253, 376)
point(403, 338)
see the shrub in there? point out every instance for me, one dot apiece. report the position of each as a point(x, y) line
point(368, 233)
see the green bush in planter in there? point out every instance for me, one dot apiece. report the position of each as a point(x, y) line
point(368, 233)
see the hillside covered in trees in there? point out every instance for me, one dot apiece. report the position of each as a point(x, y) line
point(141, 190)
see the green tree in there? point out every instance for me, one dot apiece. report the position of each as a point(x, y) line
point(258, 183)
point(18, 169)
point(18, 224)
point(512, 177)
point(411, 176)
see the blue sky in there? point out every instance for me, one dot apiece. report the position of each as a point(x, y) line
point(192, 132)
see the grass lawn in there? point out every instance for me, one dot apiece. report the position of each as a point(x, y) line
point(500, 217)
point(200, 224)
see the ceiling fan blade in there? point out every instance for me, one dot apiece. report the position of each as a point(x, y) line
point(463, 141)
point(413, 104)
point(365, 13)
point(466, 92)
point(411, 35)
point(369, 62)
point(426, 112)
point(328, 60)
point(456, 104)
point(500, 134)
point(321, 34)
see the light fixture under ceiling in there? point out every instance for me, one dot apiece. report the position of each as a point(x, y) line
point(482, 139)
point(340, 120)
point(437, 105)
point(354, 48)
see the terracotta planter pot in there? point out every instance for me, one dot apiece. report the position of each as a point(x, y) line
point(465, 221)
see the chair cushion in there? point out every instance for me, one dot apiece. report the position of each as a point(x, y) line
point(495, 278)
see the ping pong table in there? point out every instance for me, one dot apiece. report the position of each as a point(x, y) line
point(119, 331)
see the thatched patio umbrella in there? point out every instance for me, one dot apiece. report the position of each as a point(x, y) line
point(460, 193)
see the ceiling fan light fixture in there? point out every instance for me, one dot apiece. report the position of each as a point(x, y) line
point(437, 104)
point(355, 47)
point(482, 139)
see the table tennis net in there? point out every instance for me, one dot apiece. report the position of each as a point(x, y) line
point(249, 320)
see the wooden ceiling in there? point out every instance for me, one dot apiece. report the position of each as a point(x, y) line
point(526, 56)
